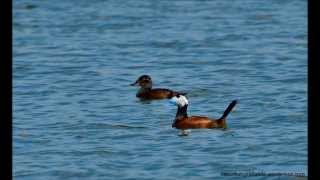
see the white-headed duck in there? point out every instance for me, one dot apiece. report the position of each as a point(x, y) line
point(183, 121)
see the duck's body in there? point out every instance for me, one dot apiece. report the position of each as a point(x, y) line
point(195, 122)
point(183, 121)
point(147, 92)
point(156, 93)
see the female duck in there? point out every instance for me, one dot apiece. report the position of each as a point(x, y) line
point(147, 92)
point(183, 121)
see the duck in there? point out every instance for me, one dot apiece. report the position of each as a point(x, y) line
point(146, 92)
point(184, 122)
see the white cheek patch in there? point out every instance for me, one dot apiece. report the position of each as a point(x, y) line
point(182, 101)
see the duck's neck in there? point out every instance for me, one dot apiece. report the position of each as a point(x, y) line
point(144, 90)
point(182, 112)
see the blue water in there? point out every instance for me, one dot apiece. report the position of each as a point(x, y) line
point(76, 117)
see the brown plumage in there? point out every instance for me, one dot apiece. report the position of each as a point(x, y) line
point(183, 121)
point(147, 92)
point(195, 122)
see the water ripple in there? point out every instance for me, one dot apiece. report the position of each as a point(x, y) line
point(75, 115)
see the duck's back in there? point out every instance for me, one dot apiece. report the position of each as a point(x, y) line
point(193, 122)
point(157, 93)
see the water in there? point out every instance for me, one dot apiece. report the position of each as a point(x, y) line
point(76, 117)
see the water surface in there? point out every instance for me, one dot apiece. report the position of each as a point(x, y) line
point(76, 117)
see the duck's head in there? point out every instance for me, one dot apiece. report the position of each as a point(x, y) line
point(179, 100)
point(143, 81)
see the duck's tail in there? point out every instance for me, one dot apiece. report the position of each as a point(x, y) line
point(228, 110)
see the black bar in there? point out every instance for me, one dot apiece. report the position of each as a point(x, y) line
point(313, 89)
point(6, 87)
